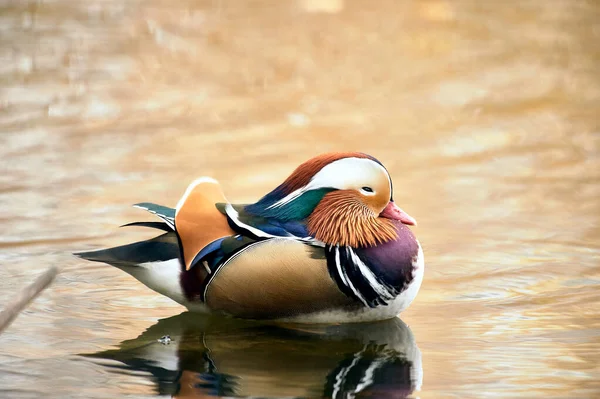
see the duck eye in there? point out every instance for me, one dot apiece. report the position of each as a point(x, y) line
point(367, 189)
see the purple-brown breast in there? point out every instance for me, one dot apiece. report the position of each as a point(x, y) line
point(393, 261)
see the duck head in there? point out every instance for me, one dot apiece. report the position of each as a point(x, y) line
point(344, 198)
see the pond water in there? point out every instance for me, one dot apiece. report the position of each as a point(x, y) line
point(485, 113)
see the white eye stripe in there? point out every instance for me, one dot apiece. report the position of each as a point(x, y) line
point(345, 172)
point(341, 174)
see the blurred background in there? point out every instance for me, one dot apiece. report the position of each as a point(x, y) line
point(485, 113)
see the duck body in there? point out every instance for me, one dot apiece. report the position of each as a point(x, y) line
point(315, 249)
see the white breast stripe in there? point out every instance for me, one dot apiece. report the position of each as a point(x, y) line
point(380, 289)
point(350, 285)
point(339, 266)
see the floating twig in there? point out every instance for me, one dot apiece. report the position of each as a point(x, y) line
point(28, 294)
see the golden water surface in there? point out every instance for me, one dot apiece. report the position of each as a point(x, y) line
point(486, 114)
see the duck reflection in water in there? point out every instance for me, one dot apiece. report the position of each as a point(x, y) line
point(213, 356)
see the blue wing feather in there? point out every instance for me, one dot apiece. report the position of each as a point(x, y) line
point(209, 249)
point(265, 227)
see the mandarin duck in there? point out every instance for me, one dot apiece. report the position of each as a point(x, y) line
point(329, 245)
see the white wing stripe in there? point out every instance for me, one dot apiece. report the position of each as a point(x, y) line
point(234, 215)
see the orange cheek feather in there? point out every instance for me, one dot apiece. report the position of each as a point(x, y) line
point(344, 218)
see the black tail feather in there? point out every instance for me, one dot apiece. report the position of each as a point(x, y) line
point(153, 225)
point(157, 249)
